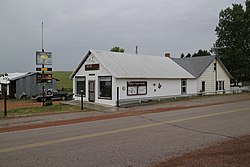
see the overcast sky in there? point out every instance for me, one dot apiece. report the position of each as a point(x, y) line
point(72, 27)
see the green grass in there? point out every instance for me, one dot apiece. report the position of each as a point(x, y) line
point(64, 82)
point(61, 108)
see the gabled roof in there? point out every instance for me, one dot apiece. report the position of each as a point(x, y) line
point(197, 65)
point(15, 76)
point(125, 65)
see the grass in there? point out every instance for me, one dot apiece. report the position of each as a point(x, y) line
point(60, 108)
point(64, 82)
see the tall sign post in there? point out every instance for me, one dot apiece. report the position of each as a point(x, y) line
point(43, 58)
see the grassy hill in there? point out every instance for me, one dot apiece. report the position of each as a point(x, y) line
point(64, 82)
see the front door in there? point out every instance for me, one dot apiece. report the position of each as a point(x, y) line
point(92, 91)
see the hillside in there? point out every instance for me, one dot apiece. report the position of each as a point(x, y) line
point(64, 83)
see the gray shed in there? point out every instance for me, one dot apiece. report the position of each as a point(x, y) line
point(26, 83)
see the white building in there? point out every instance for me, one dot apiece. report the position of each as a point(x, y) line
point(104, 77)
point(210, 73)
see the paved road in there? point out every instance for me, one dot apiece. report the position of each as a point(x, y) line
point(132, 141)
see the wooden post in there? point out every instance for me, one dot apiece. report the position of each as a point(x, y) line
point(117, 96)
point(5, 103)
point(81, 99)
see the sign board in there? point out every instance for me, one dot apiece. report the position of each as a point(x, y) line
point(137, 88)
point(43, 69)
point(89, 67)
point(44, 78)
point(43, 58)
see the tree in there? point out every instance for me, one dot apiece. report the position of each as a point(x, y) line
point(201, 53)
point(182, 55)
point(117, 49)
point(188, 55)
point(233, 41)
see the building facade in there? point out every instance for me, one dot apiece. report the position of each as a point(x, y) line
point(210, 73)
point(109, 77)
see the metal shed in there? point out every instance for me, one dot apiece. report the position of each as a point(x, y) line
point(25, 83)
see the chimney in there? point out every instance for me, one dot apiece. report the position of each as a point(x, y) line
point(167, 55)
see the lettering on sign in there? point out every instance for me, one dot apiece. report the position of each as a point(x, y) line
point(44, 78)
point(90, 67)
point(137, 88)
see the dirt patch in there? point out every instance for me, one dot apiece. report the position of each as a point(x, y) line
point(15, 104)
point(227, 154)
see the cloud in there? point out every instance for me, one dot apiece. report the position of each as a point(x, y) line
point(73, 27)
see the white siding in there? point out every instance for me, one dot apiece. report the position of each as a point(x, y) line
point(101, 72)
point(209, 76)
point(191, 86)
point(222, 76)
point(169, 87)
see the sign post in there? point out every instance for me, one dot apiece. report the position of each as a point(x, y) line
point(81, 99)
point(5, 103)
point(6, 82)
point(43, 58)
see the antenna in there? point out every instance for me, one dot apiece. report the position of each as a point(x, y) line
point(136, 49)
point(42, 38)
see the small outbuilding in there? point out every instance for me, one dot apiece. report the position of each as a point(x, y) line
point(23, 84)
point(111, 78)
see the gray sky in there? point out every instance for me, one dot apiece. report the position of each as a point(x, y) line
point(72, 27)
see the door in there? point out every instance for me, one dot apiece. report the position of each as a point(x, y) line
point(92, 91)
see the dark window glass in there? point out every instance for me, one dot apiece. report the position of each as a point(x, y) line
point(203, 86)
point(220, 85)
point(183, 86)
point(80, 85)
point(105, 87)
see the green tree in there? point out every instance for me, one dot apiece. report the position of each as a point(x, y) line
point(201, 53)
point(182, 55)
point(117, 49)
point(233, 40)
point(189, 55)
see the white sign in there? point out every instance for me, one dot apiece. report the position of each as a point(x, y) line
point(43, 58)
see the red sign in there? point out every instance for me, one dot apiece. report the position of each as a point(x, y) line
point(90, 67)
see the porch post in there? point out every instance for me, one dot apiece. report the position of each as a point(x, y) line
point(117, 97)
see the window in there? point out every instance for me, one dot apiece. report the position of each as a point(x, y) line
point(203, 86)
point(136, 88)
point(214, 66)
point(220, 85)
point(105, 87)
point(183, 86)
point(80, 85)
